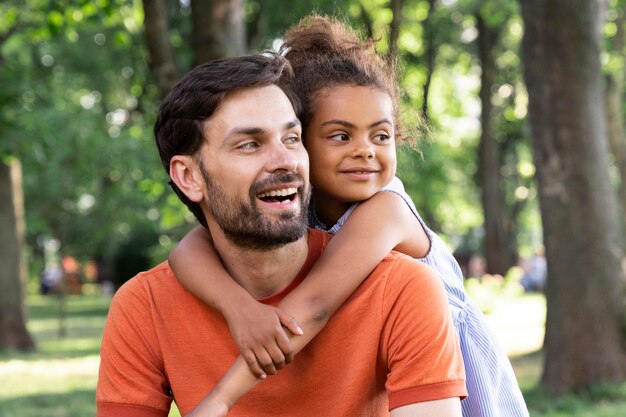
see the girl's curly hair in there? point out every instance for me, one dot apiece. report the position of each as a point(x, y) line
point(325, 53)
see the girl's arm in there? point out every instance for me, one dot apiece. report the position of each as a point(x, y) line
point(256, 327)
point(374, 228)
point(448, 407)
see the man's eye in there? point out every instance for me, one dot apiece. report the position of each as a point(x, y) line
point(248, 146)
point(292, 140)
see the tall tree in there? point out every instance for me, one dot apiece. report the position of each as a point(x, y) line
point(489, 155)
point(394, 27)
point(13, 332)
point(13, 274)
point(615, 98)
point(430, 56)
point(157, 36)
point(218, 29)
point(584, 340)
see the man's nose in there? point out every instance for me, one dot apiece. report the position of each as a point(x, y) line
point(282, 159)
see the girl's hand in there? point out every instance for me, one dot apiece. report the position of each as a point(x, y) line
point(259, 333)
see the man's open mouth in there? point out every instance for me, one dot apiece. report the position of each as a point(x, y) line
point(284, 196)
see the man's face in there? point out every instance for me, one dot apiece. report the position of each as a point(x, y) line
point(256, 169)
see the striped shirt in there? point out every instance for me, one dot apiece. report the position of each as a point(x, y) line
point(491, 384)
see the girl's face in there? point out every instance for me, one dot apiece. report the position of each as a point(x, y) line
point(351, 146)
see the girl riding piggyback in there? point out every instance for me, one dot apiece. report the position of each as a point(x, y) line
point(350, 99)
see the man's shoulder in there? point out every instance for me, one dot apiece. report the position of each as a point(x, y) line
point(401, 271)
point(320, 234)
point(398, 260)
point(155, 291)
point(160, 277)
point(318, 239)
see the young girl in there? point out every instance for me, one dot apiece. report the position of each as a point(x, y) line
point(349, 99)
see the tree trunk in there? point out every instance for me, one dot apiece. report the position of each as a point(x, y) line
point(615, 106)
point(157, 35)
point(13, 332)
point(430, 56)
point(489, 157)
point(218, 29)
point(583, 342)
point(394, 29)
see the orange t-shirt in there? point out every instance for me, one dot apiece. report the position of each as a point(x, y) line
point(392, 343)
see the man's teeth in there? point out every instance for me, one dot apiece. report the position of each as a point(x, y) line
point(279, 193)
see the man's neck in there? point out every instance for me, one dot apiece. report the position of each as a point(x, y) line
point(261, 272)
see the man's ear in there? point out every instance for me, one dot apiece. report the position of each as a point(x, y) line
point(185, 173)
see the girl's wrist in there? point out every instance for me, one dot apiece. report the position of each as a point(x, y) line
point(235, 301)
point(213, 405)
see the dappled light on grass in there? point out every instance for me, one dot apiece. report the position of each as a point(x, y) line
point(519, 325)
point(70, 404)
point(528, 369)
point(23, 377)
point(600, 401)
point(59, 380)
point(60, 376)
point(71, 347)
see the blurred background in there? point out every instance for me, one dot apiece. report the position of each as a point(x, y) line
point(520, 167)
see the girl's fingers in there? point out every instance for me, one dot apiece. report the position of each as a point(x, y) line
point(289, 322)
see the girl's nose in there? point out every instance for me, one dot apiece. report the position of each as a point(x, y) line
point(363, 150)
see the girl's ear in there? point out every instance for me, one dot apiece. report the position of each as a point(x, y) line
point(185, 173)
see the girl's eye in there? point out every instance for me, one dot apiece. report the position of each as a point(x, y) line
point(382, 137)
point(339, 137)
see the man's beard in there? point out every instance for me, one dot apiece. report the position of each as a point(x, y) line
point(243, 223)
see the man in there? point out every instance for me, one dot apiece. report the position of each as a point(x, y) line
point(229, 137)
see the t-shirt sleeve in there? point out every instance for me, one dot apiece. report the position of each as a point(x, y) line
point(131, 381)
point(419, 343)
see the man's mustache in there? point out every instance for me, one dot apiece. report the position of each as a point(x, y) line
point(276, 179)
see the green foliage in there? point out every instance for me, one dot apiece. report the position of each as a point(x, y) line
point(78, 111)
point(77, 105)
point(61, 376)
point(267, 20)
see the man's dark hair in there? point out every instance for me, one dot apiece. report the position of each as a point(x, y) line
point(178, 128)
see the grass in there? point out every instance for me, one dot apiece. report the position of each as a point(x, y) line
point(59, 379)
point(518, 321)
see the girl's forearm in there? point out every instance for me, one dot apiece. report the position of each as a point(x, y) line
point(235, 383)
point(349, 258)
